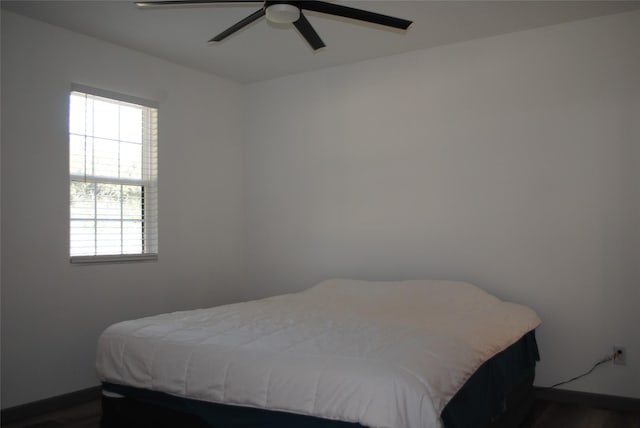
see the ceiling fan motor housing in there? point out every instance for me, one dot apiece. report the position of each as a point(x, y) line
point(281, 12)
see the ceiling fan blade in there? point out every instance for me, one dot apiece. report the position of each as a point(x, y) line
point(357, 14)
point(304, 27)
point(243, 23)
point(189, 2)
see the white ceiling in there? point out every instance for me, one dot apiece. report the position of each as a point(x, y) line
point(264, 51)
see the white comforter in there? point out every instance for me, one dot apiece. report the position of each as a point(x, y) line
point(383, 354)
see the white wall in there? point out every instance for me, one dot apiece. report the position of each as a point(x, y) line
point(511, 162)
point(53, 312)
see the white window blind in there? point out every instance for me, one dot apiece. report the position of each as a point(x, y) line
point(113, 177)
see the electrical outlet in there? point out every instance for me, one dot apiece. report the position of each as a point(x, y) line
point(619, 355)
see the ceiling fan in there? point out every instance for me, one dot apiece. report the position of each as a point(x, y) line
point(290, 12)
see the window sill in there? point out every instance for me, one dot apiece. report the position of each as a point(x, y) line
point(124, 258)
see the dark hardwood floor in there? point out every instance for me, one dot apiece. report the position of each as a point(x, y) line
point(545, 414)
point(548, 414)
point(82, 416)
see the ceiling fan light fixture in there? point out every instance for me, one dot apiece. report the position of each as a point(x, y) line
point(282, 13)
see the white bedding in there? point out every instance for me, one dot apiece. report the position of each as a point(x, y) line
point(383, 354)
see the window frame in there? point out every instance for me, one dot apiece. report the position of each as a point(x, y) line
point(148, 182)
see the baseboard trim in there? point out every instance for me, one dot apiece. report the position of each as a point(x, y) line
point(610, 402)
point(59, 402)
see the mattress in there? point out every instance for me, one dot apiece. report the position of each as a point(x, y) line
point(381, 354)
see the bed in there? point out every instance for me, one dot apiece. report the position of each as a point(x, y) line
point(344, 353)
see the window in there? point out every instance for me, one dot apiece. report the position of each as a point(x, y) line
point(113, 177)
